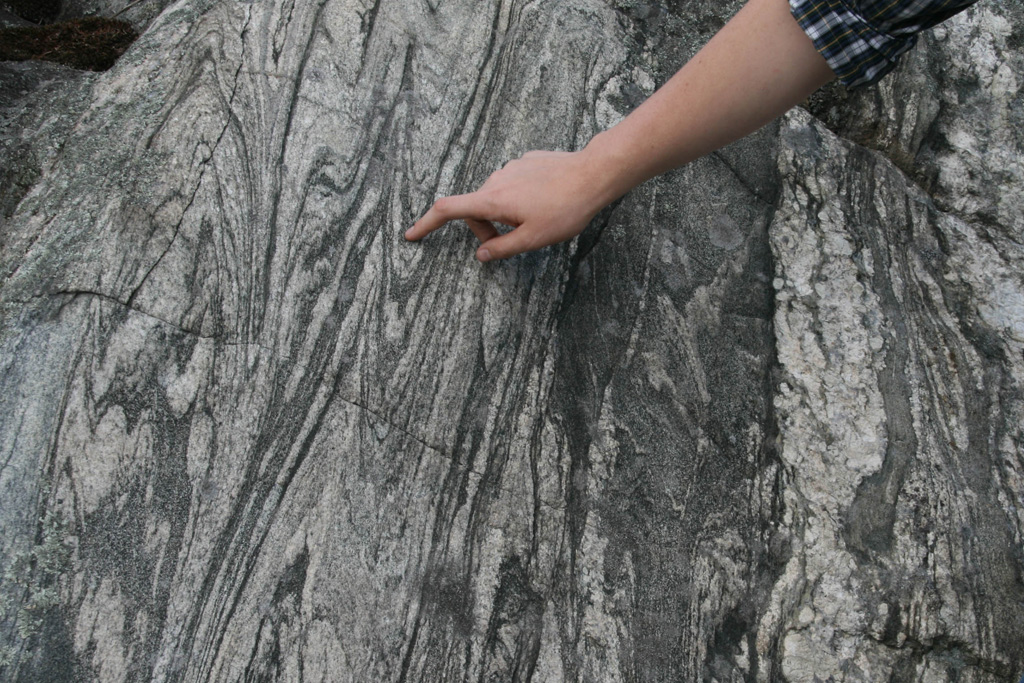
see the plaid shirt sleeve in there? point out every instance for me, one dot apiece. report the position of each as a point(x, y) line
point(862, 39)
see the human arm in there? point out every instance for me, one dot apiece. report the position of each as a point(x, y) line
point(758, 66)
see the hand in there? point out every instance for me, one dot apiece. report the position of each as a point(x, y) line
point(546, 197)
point(758, 66)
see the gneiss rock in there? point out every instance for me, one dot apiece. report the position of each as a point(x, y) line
point(901, 416)
point(246, 431)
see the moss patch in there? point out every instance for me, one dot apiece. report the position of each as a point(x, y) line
point(92, 44)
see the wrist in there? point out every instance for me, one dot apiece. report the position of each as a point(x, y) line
point(611, 166)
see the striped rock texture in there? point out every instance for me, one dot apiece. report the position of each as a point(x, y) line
point(763, 420)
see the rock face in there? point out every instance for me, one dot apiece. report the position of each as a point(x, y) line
point(763, 421)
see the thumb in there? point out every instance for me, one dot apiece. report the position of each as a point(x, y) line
point(515, 242)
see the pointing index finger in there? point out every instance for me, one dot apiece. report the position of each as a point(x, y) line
point(444, 210)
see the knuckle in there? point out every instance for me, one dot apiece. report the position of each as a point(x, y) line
point(489, 203)
point(443, 206)
point(532, 241)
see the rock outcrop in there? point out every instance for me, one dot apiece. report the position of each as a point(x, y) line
point(763, 420)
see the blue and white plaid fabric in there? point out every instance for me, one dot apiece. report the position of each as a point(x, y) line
point(862, 39)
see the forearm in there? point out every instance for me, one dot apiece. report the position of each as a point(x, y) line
point(755, 69)
point(758, 66)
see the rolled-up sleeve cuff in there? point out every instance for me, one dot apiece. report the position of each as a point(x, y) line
point(858, 52)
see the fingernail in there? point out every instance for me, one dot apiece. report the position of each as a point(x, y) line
point(408, 233)
point(483, 255)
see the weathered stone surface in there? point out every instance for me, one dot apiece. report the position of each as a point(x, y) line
point(951, 117)
point(39, 104)
point(901, 415)
point(247, 432)
point(900, 328)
